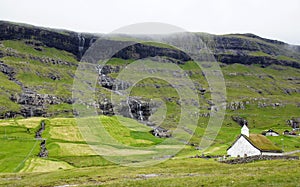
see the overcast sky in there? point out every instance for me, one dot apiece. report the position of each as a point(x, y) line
point(275, 19)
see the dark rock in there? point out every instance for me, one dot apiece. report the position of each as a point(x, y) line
point(38, 48)
point(113, 84)
point(53, 77)
point(9, 71)
point(294, 123)
point(43, 151)
point(62, 40)
point(32, 111)
point(107, 107)
point(139, 109)
point(241, 121)
point(34, 43)
point(38, 134)
point(161, 132)
point(236, 105)
point(248, 60)
point(33, 104)
point(108, 82)
point(140, 51)
point(134, 108)
point(107, 69)
point(35, 99)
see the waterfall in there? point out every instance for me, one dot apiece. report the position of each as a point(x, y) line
point(31, 112)
point(122, 85)
point(117, 86)
point(99, 68)
point(129, 109)
point(140, 112)
point(92, 41)
point(81, 41)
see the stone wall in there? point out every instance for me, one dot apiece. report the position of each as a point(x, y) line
point(258, 157)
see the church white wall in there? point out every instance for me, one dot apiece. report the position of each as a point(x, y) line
point(271, 154)
point(242, 147)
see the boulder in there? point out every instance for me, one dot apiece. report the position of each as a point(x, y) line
point(241, 121)
point(161, 132)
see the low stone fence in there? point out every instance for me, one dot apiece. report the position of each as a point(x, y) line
point(258, 157)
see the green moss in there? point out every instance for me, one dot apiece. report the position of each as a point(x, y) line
point(161, 45)
point(23, 48)
point(286, 58)
point(258, 53)
point(118, 61)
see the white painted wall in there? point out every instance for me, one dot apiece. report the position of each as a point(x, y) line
point(271, 134)
point(245, 130)
point(242, 147)
point(271, 154)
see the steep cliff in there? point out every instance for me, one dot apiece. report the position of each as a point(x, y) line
point(38, 66)
point(229, 49)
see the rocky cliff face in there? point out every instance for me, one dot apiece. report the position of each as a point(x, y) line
point(229, 49)
point(251, 49)
point(140, 51)
point(72, 42)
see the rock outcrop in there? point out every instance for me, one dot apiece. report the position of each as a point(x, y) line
point(161, 132)
point(133, 107)
point(294, 123)
point(33, 104)
point(236, 105)
point(140, 51)
point(59, 39)
point(248, 60)
point(43, 150)
point(241, 121)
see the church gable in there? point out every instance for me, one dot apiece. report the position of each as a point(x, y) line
point(242, 147)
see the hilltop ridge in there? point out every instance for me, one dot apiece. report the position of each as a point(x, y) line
point(230, 48)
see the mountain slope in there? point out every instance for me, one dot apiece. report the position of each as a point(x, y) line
point(43, 61)
point(37, 70)
point(38, 67)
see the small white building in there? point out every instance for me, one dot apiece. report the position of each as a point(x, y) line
point(252, 144)
point(270, 132)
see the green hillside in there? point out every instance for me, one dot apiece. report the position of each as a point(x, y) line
point(36, 84)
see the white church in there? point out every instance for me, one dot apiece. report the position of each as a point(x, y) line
point(252, 144)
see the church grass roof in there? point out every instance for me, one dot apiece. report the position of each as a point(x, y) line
point(262, 143)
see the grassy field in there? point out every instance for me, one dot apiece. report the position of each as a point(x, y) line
point(175, 172)
point(74, 157)
point(72, 161)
